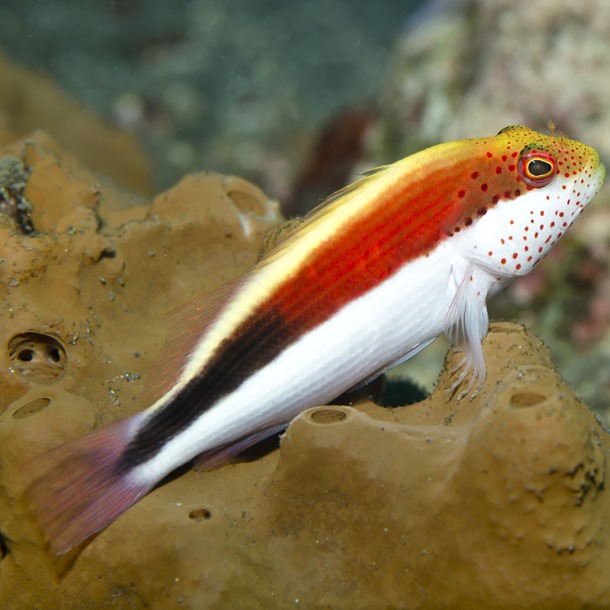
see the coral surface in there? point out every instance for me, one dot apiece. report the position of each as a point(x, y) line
point(495, 502)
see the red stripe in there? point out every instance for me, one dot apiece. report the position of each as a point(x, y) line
point(406, 223)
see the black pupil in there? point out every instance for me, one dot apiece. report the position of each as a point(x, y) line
point(538, 167)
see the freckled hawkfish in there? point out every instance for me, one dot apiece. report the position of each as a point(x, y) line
point(371, 277)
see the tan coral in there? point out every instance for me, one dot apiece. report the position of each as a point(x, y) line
point(495, 502)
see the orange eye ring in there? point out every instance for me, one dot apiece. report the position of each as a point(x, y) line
point(537, 168)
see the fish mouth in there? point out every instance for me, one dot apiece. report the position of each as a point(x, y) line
point(601, 172)
point(600, 175)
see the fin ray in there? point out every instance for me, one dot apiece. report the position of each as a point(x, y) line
point(187, 326)
point(219, 456)
point(77, 488)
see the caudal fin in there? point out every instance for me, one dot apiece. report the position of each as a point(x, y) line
point(79, 488)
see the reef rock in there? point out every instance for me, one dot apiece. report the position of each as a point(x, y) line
point(497, 502)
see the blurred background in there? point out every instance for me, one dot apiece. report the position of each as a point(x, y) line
point(300, 97)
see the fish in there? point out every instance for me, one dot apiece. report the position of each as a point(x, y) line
point(410, 251)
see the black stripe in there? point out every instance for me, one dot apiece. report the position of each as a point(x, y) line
point(255, 343)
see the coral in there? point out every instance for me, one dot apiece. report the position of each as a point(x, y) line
point(13, 179)
point(495, 502)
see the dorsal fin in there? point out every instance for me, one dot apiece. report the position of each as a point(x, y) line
point(187, 325)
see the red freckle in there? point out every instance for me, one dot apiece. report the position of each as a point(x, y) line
point(526, 228)
point(502, 241)
point(461, 194)
point(484, 187)
point(490, 253)
point(515, 255)
point(567, 175)
point(474, 175)
point(503, 261)
point(526, 248)
point(514, 154)
point(517, 266)
point(536, 234)
point(529, 258)
point(541, 212)
point(547, 240)
point(517, 192)
point(540, 249)
point(498, 170)
point(489, 155)
point(510, 238)
point(512, 222)
point(504, 157)
point(511, 168)
point(495, 198)
point(552, 225)
point(564, 187)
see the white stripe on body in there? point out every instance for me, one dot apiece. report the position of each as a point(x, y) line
point(366, 334)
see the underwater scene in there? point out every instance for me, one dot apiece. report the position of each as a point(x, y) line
point(304, 304)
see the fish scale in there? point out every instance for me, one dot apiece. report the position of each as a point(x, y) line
point(413, 250)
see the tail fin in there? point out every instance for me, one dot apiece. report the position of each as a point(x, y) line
point(79, 488)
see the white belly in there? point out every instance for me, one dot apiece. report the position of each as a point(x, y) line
point(364, 336)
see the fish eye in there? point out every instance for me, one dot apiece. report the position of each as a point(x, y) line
point(537, 168)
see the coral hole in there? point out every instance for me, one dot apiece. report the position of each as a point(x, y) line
point(247, 202)
point(200, 514)
point(328, 416)
point(32, 407)
point(526, 399)
point(37, 356)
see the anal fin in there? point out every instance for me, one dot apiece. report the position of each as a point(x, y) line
point(219, 456)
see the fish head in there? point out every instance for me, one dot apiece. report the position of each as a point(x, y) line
point(525, 193)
